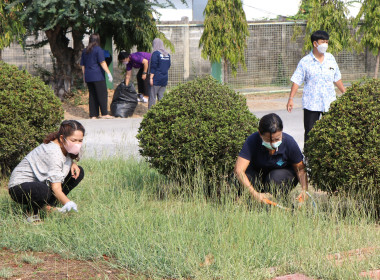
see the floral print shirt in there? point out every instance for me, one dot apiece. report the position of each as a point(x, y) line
point(319, 78)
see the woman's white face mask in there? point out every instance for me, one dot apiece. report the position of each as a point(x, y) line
point(272, 146)
point(271, 141)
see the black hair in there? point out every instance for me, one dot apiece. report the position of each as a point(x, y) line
point(122, 56)
point(93, 41)
point(319, 35)
point(271, 123)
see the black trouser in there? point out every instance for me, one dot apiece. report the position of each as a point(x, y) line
point(38, 194)
point(98, 97)
point(143, 86)
point(278, 180)
point(309, 119)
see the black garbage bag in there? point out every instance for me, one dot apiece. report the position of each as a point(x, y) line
point(124, 101)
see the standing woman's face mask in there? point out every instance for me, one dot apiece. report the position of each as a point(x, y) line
point(73, 143)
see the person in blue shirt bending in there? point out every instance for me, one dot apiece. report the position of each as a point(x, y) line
point(319, 71)
point(271, 158)
point(159, 67)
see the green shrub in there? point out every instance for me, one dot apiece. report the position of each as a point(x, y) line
point(199, 126)
point(28, 111)
point(344, 147)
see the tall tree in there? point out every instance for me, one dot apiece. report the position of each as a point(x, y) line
point(11, 27)
point(368, 20)
point(332, 17)
point(225, 33)
point(303, 11)
point(129, 22)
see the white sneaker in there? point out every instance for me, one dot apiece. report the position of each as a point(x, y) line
point(141, 98)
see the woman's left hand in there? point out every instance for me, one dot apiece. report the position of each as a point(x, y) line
point(75, 171)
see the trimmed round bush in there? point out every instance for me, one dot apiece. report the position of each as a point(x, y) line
point(198, 127)
point(29, 110)
point(343, 150)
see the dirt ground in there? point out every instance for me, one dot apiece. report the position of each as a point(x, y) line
point(258, 101)
point(81, 111)
point(47, 266)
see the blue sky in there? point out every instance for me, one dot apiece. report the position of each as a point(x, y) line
point(254, 9)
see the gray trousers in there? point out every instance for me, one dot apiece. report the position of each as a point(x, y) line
point(156, 92)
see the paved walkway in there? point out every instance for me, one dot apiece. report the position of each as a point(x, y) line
point(293, 122)
point(117, 137)
point(109, 138)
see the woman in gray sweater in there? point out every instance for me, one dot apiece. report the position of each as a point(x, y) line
point(47, 174)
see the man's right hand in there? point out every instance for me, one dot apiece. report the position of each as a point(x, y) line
point(290, 105)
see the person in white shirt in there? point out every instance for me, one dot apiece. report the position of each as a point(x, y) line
point(319, 71)
point(47, 174)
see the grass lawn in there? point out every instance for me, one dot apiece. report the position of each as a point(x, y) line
point(127, 214)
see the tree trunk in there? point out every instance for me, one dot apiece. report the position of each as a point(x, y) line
point(67, 68)
point(377, 63)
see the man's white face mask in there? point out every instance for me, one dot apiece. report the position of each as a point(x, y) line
point(322, 48)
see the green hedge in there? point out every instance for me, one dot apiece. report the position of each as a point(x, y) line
point(343, 151)
point(29, 110)
point(199, 126)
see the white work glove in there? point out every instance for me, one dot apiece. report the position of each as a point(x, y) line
point(68, 207)
point(110, 77)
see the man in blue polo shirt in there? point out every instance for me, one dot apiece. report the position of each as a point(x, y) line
point(319, 71)
point(270, 158)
